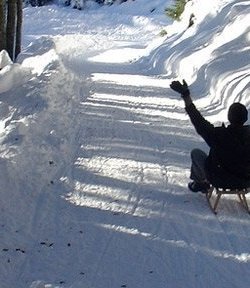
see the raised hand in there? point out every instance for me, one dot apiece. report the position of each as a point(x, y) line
point(180, 88)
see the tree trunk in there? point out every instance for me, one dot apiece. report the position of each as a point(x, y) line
point(11, 28)
point(19, 27)
point(2, 24)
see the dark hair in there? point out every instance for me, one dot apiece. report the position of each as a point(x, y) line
point(237, 114)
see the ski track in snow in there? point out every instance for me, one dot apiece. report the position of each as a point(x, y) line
point(126, 173)
point(116, 212)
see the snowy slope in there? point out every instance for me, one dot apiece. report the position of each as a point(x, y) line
point(95, 148)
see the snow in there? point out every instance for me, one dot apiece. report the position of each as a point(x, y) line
point(95, 148)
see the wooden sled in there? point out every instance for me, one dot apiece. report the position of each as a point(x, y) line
point(221, 191)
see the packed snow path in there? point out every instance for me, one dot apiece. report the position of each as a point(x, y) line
point(118, 214)
point(104, 168)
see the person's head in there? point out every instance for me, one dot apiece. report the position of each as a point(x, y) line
point(237, 114)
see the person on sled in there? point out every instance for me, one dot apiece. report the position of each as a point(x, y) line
point(228, 163)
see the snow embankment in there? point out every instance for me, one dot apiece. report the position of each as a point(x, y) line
point(212, 55)
point(39, 103)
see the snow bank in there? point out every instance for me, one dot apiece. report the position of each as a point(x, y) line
point(12, 75)
point(4, 59)
point(212, 55)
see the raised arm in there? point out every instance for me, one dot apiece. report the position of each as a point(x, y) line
point(202, 126)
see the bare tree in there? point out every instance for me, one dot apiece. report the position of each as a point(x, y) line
point(11, 15)
point(2, 25)
point(19, 27)
point(11, 28)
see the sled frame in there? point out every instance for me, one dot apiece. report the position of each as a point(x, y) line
point(222, 191)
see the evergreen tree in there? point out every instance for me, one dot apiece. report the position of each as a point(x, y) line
point(177, 9)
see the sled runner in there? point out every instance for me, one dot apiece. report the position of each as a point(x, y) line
point(221, 191)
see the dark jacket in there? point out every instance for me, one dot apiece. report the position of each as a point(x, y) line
point(228, 163)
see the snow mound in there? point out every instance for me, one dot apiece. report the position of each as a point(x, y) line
point(12, 75)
